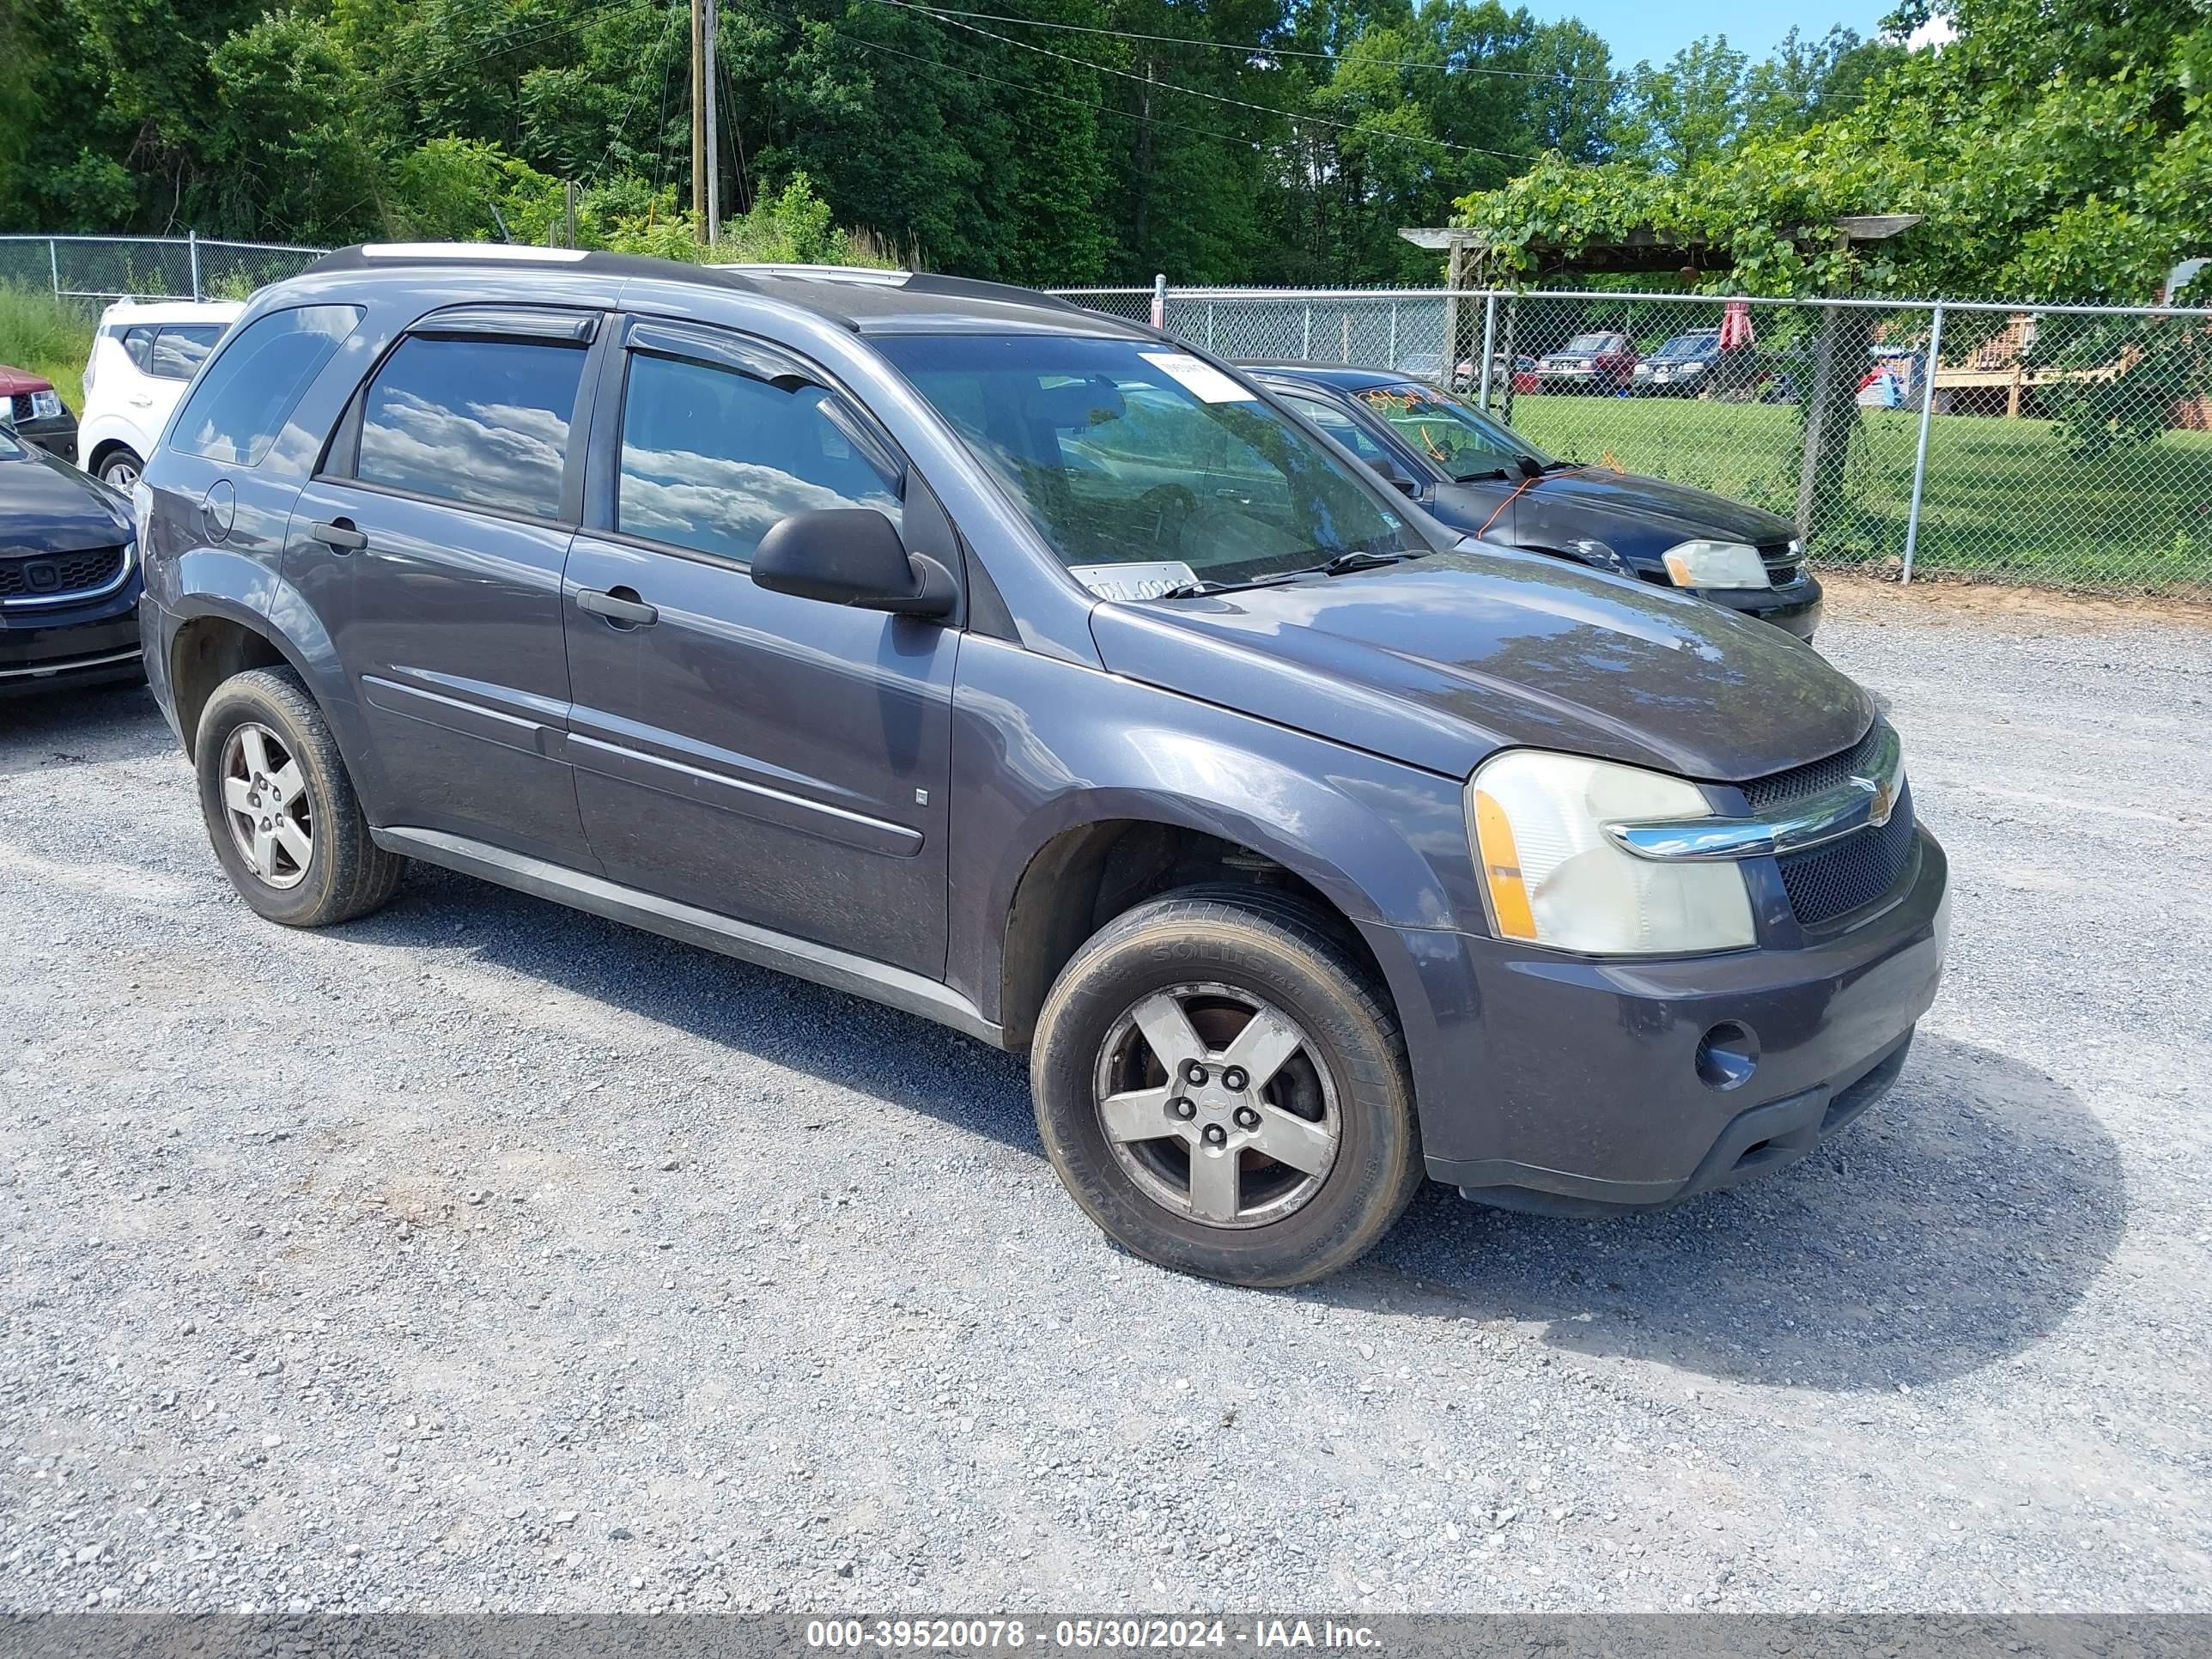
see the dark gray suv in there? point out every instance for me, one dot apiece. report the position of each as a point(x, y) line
point(1023, 670)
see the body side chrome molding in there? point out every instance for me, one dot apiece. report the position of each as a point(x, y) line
point(840, 970)
point(1864, 800)
point(70, 665)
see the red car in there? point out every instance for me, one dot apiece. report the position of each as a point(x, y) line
point(1599, 361)
point(33, 410)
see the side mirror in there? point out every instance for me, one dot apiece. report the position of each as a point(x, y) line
point(851, 555)
point(1397, 475)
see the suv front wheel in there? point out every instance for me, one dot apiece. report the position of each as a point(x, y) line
point(1221, 1084)
point(280, 809)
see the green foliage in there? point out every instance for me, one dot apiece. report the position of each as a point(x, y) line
point(2056, 149)
point(45, 336)
point(2113, 382)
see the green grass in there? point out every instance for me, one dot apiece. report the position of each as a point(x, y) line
point(2004, 499)
point(48, 336)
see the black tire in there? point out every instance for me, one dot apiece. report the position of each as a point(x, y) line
point(1277, 949)
point(120, 457)
point(346, 874)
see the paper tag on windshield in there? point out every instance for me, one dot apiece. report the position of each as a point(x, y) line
point(1132, 581)
point(1211, 385)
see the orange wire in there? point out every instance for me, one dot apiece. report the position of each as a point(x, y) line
point(1507, 502)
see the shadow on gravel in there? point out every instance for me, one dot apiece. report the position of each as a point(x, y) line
point(60, 728)
point(1952, 1228)
point(748, 1011)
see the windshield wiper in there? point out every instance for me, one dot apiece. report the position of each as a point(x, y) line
point(1360, 559)
point(1200, 588)
point(1481, 477)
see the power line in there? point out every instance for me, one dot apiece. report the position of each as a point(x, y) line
point(622, 125)
point(1212, 97)
point(1040, 92)
point(1253, 49)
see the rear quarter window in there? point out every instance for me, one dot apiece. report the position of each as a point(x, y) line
point(241, 402)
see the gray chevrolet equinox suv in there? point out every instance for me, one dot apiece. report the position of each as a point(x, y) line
point(1029, 671)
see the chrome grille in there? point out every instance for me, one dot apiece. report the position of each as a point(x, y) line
point(1830, 881)
point(59, 575)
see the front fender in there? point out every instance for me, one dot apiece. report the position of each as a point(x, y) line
point(1041, 747)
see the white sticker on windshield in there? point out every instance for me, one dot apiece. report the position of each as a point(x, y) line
point(1211, 385)
point(1134, 581)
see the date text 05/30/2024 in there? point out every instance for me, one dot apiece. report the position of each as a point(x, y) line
point(1108, 1635)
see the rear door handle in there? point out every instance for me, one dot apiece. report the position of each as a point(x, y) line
point(339, 536)
point(620, 606)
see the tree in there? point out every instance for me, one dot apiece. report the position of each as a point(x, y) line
point(2057, 149)
point(1688, 111)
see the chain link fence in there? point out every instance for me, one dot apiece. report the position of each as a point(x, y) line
point(2066, 446)
point(2061, 446)
point(101, 268)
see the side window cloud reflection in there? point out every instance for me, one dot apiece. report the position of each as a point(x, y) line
point(486, 424)
point(711, 458)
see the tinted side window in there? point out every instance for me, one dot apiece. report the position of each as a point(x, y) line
point(484, 422)
point(138, 346)
point(179, 352)
point(711, 458)
point(236, 411)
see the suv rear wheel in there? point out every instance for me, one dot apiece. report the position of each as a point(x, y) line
point(280, 809)
point(1221, 1085)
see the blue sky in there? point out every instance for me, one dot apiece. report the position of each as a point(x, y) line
point(1656, 29)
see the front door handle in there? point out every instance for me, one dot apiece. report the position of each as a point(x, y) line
point(339, 536)
point(620, 606)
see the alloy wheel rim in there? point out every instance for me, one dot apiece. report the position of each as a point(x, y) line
point(119, 475)
point(1218, 1105)
point(266, 806)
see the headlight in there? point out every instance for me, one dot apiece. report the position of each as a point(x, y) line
point(46, 405)
point(1717, 564)
point(1552, 876)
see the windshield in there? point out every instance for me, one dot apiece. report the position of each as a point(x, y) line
point(1459, 438)
point(12, 448)
point(1691, 345)
point(1122, 452)
point(1587, 342)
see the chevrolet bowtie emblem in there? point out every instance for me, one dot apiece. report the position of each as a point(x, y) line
point(1884, 792)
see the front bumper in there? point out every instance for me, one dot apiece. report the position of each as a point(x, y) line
point(1565, 1084)
point(56, 434)
point(71, 644)
point(1794, 608)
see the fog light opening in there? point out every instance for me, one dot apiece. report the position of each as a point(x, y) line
point(1727, 1056)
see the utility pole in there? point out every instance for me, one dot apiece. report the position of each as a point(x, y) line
point(713, 132)
point(698, 121)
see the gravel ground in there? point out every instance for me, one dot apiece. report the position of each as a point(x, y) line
point(482, 1255)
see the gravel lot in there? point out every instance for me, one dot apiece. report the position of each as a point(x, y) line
point(482, 1255)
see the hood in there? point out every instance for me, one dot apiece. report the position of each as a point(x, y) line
point(1639, 518)
point(13, 381)
point(47, 506)
point(1439, 661)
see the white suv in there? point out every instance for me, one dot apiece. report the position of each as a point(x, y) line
point(142, 357)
